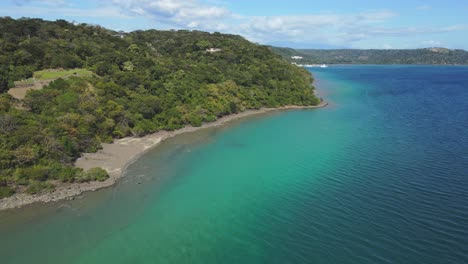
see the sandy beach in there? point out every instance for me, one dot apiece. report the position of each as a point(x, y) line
point(115, 157)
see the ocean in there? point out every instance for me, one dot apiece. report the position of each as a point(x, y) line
point(378, 176)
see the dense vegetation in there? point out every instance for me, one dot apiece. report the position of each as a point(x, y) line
point(391, 56)
point(143, 81)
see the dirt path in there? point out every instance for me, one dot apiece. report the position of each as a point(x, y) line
point(20, 92)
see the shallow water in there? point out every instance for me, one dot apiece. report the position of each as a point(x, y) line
point(378, 176)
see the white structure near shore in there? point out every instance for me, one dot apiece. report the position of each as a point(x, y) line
point(311, 65)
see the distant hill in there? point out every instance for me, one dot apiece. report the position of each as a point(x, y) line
point(440, 56)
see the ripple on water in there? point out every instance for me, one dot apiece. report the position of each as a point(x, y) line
point(380, 176)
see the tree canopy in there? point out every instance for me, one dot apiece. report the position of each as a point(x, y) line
point(142, 82)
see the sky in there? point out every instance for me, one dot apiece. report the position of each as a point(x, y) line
point(390, 24)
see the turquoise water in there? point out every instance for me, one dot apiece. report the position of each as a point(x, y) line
point(378, 176)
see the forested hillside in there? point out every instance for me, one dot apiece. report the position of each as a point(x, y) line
point(142, 82)
point(391, 56)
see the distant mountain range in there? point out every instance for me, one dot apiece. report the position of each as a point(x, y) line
point(438, 56)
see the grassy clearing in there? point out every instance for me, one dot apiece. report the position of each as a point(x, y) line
point(55, 74)
point(42, 78)
point(29, 81)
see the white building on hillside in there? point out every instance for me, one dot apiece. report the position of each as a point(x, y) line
point(213, 50)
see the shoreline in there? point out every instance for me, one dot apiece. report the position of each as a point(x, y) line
point(117, 156)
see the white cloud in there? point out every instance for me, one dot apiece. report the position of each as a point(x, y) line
point(44, 2)
point(424, 7)
point(64, 12)
point(387, 46)
point(182, 13)
point(406, 31)
point(211, 17)
point(432, 43)
point(329, 29)
point(335, 28)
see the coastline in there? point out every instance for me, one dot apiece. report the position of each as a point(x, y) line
point(117, 156)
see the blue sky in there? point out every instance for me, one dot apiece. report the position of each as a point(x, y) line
point(295, 23)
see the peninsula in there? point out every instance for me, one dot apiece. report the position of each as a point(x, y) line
point(80, 86)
